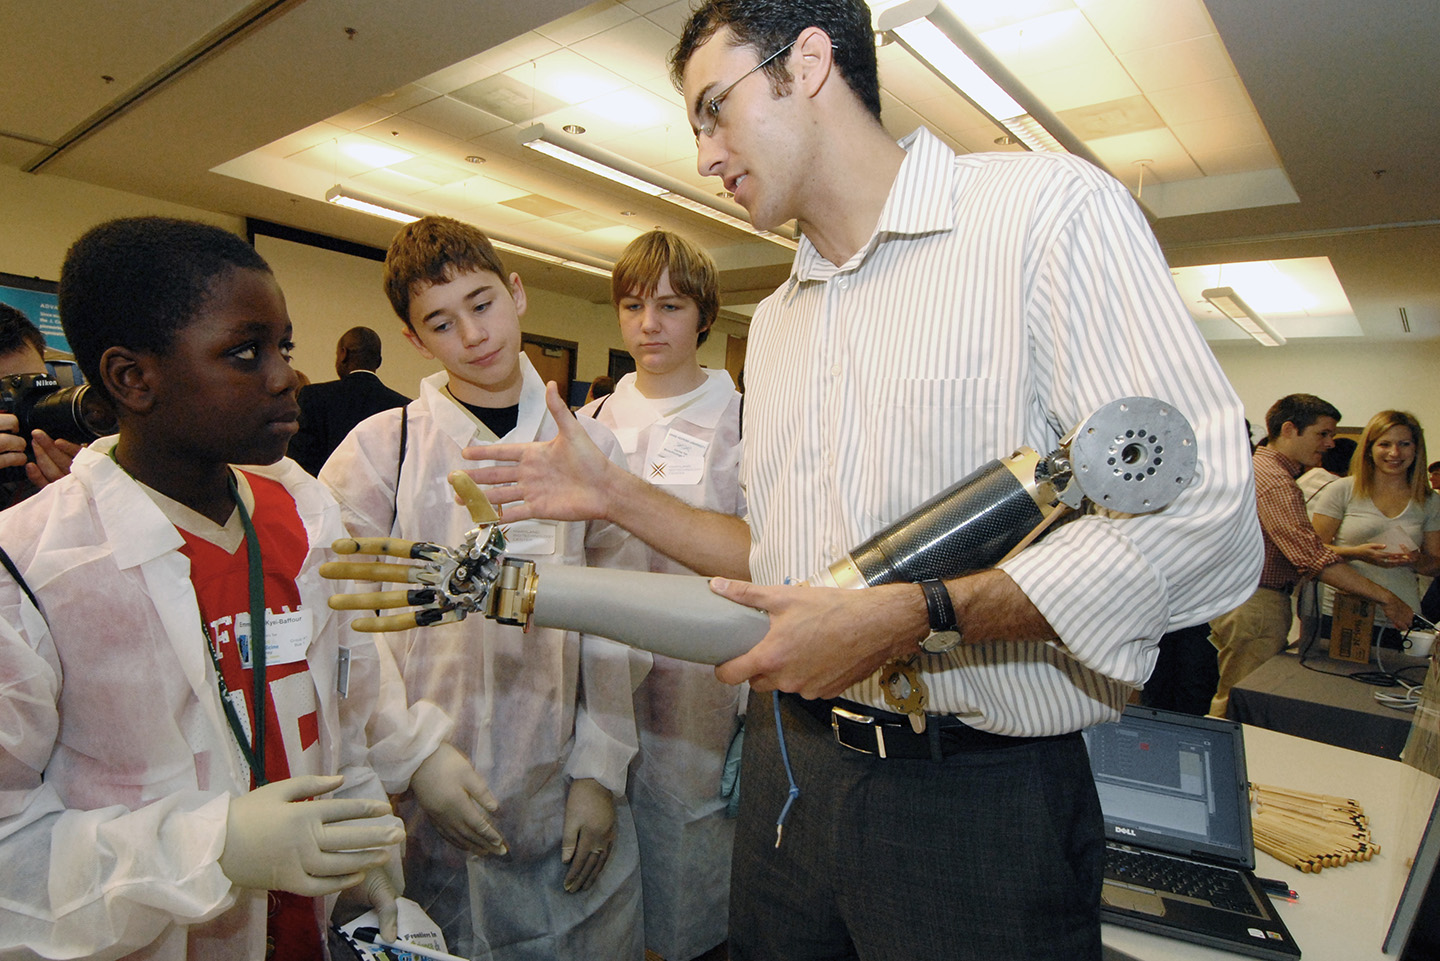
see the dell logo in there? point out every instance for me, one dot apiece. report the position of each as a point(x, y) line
point(1129, 832)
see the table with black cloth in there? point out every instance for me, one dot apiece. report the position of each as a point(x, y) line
point(1284, 695)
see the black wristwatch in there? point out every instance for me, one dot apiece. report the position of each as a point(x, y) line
point(944, 632)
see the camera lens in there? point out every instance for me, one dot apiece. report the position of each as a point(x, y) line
point(78, 414)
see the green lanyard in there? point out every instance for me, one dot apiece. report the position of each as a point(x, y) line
point(254, 752)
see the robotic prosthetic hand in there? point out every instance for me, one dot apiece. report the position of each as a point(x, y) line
point(1134, 456)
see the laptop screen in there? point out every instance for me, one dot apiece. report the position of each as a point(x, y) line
point(1174, 783)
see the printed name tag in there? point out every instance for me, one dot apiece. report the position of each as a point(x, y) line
point(287, 636)
point(530, 537)
point(678, 460)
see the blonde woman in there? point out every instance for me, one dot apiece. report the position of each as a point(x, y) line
point(1383, 518)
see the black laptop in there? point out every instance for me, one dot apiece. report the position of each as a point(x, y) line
point(1179, 852)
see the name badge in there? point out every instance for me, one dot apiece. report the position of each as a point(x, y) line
point(287, 636)
point(530, 537)
point(679, 460)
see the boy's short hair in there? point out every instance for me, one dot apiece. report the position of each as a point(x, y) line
point(1302, 410)
point(17, 332)
point(768, 25)
point(137, 281)
point(434, 250)
point(692, 274)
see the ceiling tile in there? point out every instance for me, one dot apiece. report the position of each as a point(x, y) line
point(1131, 115)
point(429, 170)
point(387, 182)
point(672, 17)
point(538, 205)
point(454, 118)
point(983, 15)
point(1092, 82)
point(472, 193)
point(1127, 25)
point(596, 18)
point(1226, 159)
point(567, 76)
point(1232, 131)
point(1046, 43)
point(636, 50)
point(508, 98)
point(1202, 101)
point(511, 53)
point(408, 135)
point(398, 101)
point(1179, 64)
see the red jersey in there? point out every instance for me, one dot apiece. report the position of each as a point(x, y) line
point(292, 726)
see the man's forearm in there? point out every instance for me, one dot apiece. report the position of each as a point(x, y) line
point(1348, 579)
point(707, 542)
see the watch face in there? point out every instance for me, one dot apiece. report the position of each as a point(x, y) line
point(940, 641)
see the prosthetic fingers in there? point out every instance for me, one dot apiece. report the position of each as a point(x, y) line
point(1134, 455)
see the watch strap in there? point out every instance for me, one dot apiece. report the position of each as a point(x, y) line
point(937, 601)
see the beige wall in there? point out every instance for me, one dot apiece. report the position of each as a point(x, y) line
point(1358, 378)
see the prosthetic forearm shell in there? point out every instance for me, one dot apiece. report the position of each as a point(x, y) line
point(672, 614)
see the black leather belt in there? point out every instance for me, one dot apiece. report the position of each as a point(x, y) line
point(886, 734)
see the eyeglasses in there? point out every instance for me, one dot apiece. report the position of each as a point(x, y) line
point(710, 109)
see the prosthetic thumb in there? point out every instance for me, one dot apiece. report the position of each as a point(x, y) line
point(278, 840)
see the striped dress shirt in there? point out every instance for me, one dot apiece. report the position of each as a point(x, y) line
point(1000, 300)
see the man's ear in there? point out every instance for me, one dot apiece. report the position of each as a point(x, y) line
point(129, 378)
point(812, 60)
point(1288, 429)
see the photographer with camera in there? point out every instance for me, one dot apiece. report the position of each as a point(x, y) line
point(27, 463)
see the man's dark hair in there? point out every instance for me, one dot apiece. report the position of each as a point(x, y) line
point(138, 281)
point(1433, 467)
point(767, 25)
point(1337, 459)
point(1302, 410)
point(17, 333)
point(362, 348)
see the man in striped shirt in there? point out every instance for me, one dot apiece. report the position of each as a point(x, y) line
point(942, 310)
point(1300, 429)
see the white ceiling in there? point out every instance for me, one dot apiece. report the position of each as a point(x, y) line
point(1260, 124)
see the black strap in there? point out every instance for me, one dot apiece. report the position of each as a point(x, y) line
point(400, 464)
point(15, 573)
point(595, 414)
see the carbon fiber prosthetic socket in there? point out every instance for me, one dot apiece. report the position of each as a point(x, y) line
point(967, 527)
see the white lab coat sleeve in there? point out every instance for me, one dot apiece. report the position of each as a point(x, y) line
point(98, 883)
point(360, 475)
point(605, 734)
point(1104, 321)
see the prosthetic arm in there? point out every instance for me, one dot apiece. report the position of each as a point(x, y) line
point(1133, 456)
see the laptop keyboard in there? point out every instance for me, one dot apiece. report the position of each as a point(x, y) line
point(1221, 887)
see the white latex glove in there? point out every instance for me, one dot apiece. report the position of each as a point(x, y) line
point(458, 802)
point(589, 832)
point(278, 840)
point(378, 892)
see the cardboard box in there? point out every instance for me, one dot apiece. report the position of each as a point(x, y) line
point(1352, 623)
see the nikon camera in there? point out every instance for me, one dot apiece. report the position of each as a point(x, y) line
point(77, 414)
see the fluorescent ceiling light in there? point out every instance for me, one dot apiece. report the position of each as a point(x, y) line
point(1231, 305)
point(613, 167)
point(354, 200)
point(375, 206)
point(555, 259)
point(936, 37)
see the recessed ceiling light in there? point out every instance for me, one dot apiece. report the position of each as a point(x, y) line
point(573, 128)
point(473, 159)
point(1005, 140)
point(627, 213)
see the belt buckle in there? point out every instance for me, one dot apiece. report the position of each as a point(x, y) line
point(838, 714)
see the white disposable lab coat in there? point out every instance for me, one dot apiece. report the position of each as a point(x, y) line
point(116, 763)
point(533, 711)
point(690, 445)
